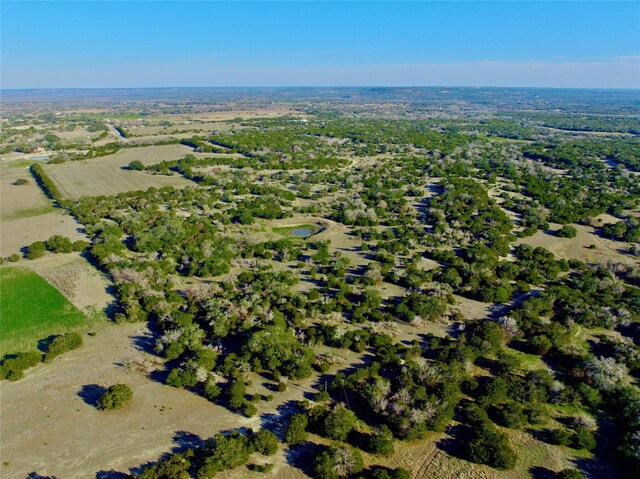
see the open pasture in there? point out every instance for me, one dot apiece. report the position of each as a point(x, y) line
point(32, 309)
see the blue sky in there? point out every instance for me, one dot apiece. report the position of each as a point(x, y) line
point(138, 44)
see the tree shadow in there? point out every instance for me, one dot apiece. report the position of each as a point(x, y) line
point(159, 375)
point(185, 440)
point(453, 442)
point(111, 475)
point(598, 467)
point(277, 422)
point(542, 435)
point(90, 394)
point(43, 344)
point(35, 475)
point(301, 456)
point(144, 343)
point(539, 472)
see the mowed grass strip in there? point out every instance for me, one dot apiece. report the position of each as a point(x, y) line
point(32, 309)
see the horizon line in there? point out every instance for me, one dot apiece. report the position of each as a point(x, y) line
point(260, 87)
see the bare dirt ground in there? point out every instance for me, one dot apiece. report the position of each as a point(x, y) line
point(27, 215)
point(108, 175)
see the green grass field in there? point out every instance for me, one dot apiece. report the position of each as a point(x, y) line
point(32, 309)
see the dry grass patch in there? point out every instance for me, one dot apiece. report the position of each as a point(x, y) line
point(580, 247)
point(27, 215)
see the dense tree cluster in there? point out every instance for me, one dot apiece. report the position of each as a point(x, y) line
point(219, 453)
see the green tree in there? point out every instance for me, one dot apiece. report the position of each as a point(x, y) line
point(381, 442)
point(296, 431)
point(570, 474)
point(136, 165)
point(265, 442)
point(36, 250)
point(567, 232)
point(339, 423)
point(115, 397)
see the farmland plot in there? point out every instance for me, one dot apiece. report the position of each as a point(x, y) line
point(108, 175)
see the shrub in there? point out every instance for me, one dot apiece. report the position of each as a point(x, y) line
point(136, 165)
point(381, 442)
point(296, 431)
point(175, 467)
point(115, 397)
point(260, 467)
point(559, 437)
point(12, 368)
point(265, 442)
point(570, 474)
point(487, 445)
point(21, 181)
point(249, 409)
point(62, 344)
point(400, 473)
point(59, 244)
point(583, 438)
point(81, 245)
point(337, 462)
point(321, 396)
point(540, 344)
point(224, 452)
point(36, 250)
point(567, 232)
point(14, 258)
point(212, 390)
point(339, 423)
point(379, 472)
point(511, 415)
point(236, 392)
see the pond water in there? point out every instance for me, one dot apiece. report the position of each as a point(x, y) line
point(302, 232)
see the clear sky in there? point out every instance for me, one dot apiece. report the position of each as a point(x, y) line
point(154, 44)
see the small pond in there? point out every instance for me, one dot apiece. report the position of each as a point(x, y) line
point(302, 232)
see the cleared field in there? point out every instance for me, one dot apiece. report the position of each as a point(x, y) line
point(32, 309)
point(27, 215)
point(108, 175)
point(580, 246)
point(20, 201)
